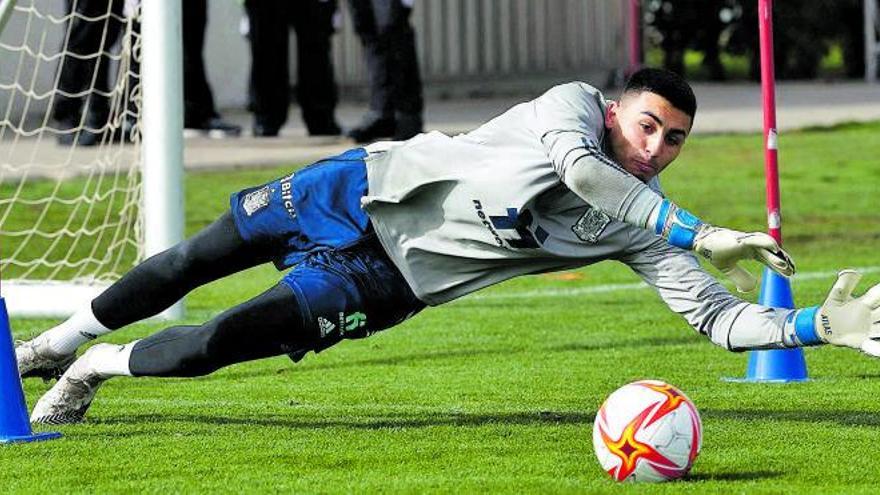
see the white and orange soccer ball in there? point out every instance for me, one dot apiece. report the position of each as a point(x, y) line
point(647, 431)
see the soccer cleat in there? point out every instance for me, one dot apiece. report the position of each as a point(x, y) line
point(321, 123)
point(70, 398)
point(407, 126)
point(212, 127)
point(264, 130)
point(35, 359)
point(373, 127)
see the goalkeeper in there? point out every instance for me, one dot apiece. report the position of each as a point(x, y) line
point(376, 234)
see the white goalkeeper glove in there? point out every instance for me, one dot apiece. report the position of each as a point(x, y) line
point(724, 248)
point(842, 320)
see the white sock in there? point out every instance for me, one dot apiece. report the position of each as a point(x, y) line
point(110, 359)
point(75, 331)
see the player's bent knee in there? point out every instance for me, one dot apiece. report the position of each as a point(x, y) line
point(181, 259)
point(167, 268)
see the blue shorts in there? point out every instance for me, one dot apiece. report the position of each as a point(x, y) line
point(343, 280)
point(312, 209)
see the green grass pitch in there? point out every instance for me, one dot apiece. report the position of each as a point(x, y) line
point(497, 392)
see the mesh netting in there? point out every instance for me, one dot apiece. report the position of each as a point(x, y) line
point(69, 141)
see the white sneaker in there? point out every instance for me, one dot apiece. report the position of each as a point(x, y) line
point(36, 359)
point(70, 398)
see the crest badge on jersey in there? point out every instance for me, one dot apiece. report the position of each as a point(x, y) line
point(590, 225)
point(256, 200)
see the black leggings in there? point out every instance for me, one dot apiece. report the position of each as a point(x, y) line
point(268, 325)
point(154, 285)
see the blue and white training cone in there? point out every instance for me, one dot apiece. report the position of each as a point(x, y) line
point(14, 424)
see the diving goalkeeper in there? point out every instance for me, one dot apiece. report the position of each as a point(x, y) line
point(376, 234)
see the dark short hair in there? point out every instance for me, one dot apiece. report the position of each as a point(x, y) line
point(664, 83)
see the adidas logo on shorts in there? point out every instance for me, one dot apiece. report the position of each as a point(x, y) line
point(326, 326)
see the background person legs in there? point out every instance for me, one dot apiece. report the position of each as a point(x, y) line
point(199, 114)
point(396, 103)
point(83, 72)
point(269, 32)
point(316, 90)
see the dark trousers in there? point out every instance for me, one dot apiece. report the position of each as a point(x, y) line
point(198, 101)
point(316, 93)
point(390, 50)
point(87, 37)
point(84, 83)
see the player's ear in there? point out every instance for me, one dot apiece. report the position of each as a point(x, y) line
point(611, 114)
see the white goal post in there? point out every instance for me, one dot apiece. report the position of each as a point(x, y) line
point(75, 216)
point(162, 129)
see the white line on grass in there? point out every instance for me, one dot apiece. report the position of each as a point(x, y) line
point(596, 289)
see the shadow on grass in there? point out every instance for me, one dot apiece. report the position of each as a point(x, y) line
point(851, 236)
point(314, 363)
point(743, 476)
point(852, 125)
point(867, 376)
point(363, 423)
point(841, 417)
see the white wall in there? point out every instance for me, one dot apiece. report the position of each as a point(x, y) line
point(227, 55)
point(27, 69)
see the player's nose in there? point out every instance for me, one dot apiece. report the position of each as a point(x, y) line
point(653, 145)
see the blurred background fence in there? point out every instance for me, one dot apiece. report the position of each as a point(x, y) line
point(475, 47)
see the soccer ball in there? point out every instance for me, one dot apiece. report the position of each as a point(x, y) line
point(647, 431)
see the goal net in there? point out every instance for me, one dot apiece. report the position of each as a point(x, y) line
point(70, 150)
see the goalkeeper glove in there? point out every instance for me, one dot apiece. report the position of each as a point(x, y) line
point(842, 320)
point(724, 248)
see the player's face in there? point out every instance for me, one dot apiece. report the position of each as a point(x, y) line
point(646, 133)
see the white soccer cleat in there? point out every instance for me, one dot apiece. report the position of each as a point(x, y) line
point(36, 359)
point(70, 398)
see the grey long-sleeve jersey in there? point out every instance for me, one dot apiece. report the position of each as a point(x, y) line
point(457, 214)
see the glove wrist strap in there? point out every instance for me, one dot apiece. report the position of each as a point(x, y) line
point(678, 226)
point(800, 328)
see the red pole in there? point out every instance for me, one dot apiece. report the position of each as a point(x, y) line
point(768, 93)
point(635, 36)
point(773, 365)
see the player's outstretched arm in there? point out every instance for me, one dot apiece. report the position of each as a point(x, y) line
point(842, 320)
point(724, 248)
point(569, 121)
